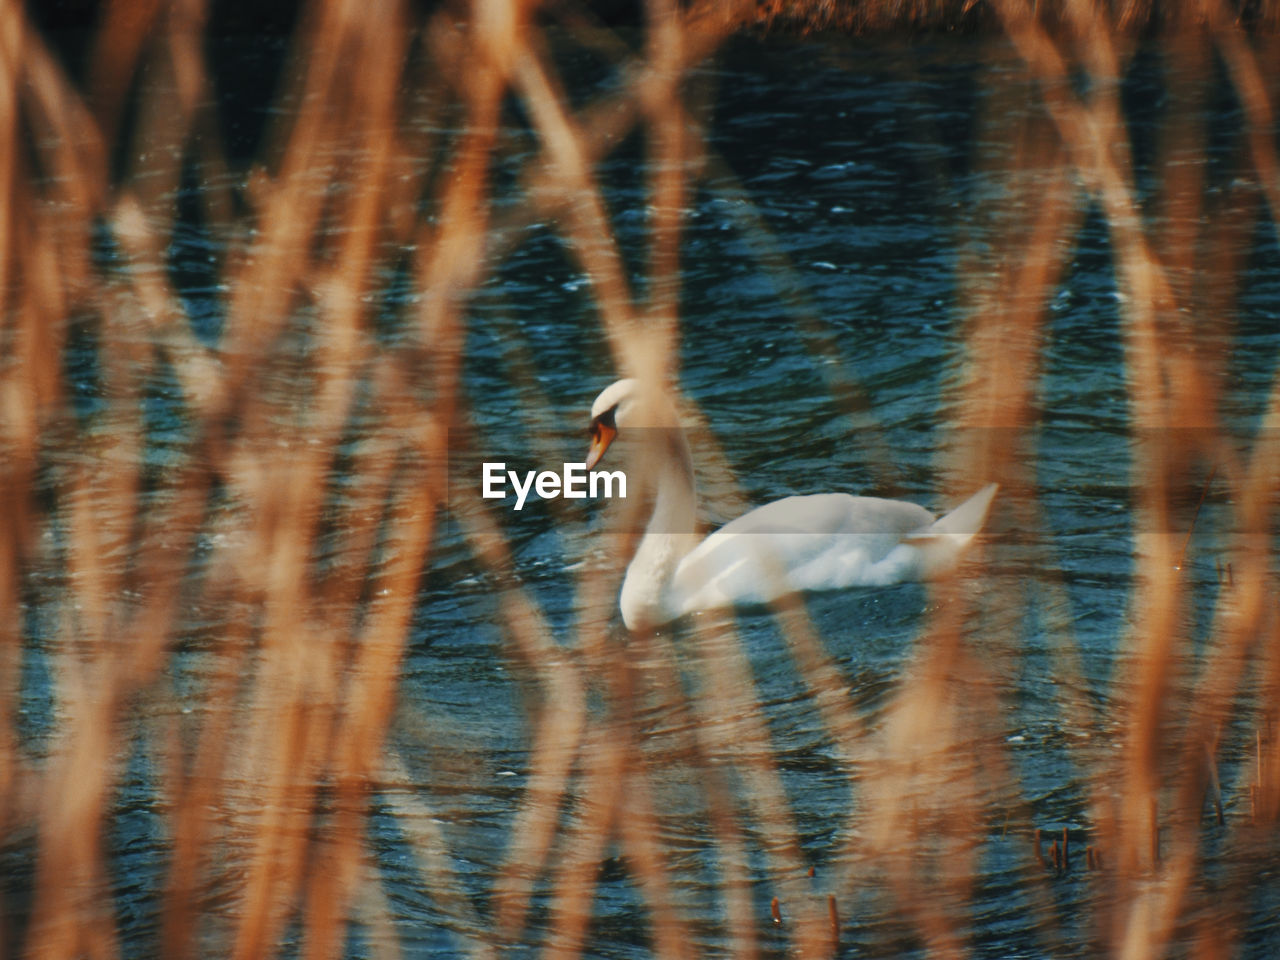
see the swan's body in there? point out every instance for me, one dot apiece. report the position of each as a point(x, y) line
point(824, 541)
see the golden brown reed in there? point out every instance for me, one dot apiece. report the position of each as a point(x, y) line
point(266, 787)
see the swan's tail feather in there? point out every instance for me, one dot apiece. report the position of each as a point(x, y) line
point(943, 540)
point(968, 518)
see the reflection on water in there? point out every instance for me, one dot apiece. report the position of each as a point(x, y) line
point(878, 761)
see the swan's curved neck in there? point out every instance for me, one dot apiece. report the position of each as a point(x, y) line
point(675, 503)
point(668, 536)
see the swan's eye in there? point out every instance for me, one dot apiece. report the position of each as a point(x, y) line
point(604, 420)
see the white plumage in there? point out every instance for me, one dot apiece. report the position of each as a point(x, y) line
point(824, 541)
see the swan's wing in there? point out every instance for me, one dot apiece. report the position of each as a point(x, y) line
point(820, 542)
point(832, 513)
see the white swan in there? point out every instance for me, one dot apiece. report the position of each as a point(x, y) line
point(824, 541)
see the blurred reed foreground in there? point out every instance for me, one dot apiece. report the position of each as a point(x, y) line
point(225, 478)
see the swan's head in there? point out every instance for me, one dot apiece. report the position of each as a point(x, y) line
point(611, 410)
point(627, 403)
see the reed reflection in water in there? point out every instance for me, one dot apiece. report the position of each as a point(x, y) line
point(225, 484)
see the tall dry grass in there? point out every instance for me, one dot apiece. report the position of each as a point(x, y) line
point(265, 784)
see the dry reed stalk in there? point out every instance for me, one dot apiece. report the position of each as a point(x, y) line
point(593, 244)
point(278, 851)
point(1150, 918)
point(586, 843)
point(557, 740)
point(928, 785)
point(1006, 296)
point(368, 700)
point(282, 594)
point(850, 396)
point(1093, 135)
point(1269, 787)
point(195, 795)
point(314, 665)
point(588, 223)
point(1249, 79)
point(731, 845)
point(638, 828)
point(373, 909)
point(668, 155)
point(70, 877)
point(421, 826)
point(681, 149)
point(932, 776)
point(736, 730)
point(606, 121)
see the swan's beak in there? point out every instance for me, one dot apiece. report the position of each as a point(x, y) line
point(602, 435)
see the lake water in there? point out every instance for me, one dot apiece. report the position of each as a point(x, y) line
point(842, 222)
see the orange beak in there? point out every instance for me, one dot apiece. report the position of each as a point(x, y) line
point(601, 436)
